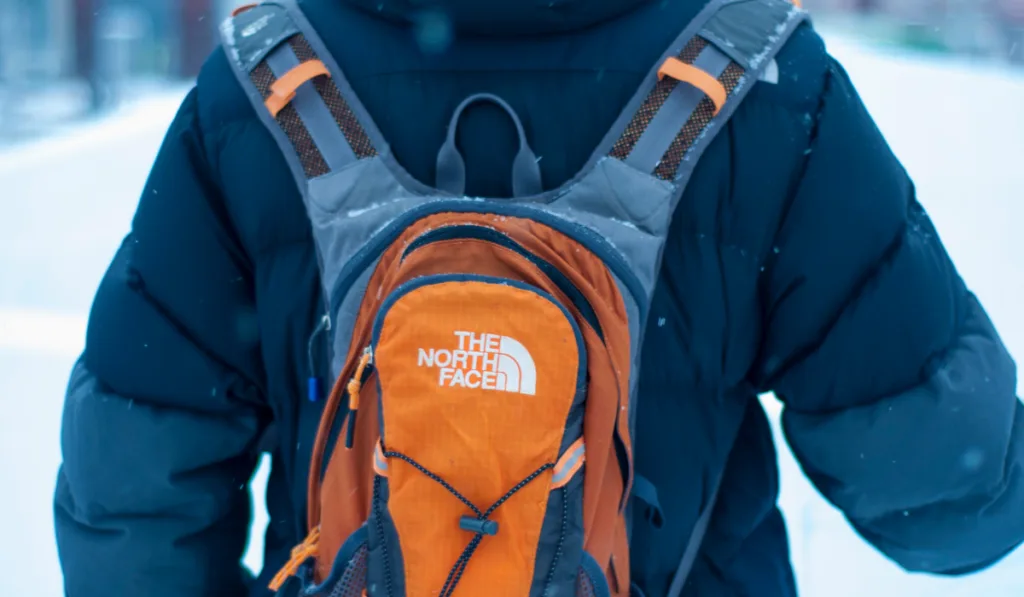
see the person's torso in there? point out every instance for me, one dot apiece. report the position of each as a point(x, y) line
point(568, 88)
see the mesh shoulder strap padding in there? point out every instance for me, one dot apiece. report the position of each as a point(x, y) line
point(699, 83)
point(296, 90)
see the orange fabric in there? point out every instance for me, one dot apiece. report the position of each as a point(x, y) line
point(243, 8)
point(344, 495)
point(688, 73)
point(305, 550)
point(282, 91)
point(347, 488)
point(477, 391)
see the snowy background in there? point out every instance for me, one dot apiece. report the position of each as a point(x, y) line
point(67, 200)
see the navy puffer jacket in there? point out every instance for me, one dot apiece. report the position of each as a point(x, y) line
point(800, 261)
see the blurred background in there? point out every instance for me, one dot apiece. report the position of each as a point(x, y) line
point(62, 60)
point(88, 87)
point(65, 59)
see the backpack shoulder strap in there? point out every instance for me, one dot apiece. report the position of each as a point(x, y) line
point(297, 89)
point(698, 84)
point(683, 104)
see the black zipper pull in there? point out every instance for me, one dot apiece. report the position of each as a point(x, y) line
point(355, 385)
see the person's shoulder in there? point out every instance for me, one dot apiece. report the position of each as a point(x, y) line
point(800, 74)
point(220, 98)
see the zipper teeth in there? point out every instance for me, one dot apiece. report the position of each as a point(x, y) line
point(551, 272)
point(586, 236)
point(381, 536)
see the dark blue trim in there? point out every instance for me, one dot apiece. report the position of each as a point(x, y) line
point(342, 559)
point(587, 236)
point(597, 578)
point(477, 232)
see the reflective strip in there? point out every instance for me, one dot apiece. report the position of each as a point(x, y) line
point(315, 114)
point(674, 113)
point(380, 463)
point(569, 464)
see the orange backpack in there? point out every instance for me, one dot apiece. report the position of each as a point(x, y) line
point(477, 440)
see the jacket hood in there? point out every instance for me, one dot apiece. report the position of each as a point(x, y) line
point(499, 18)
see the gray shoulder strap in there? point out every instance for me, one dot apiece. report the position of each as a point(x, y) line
point(684, 103)
point(297, 89)
point(688, 97)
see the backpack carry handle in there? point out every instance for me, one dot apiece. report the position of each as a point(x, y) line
point(451, 168)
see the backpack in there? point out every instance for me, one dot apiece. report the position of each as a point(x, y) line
point(485, 352)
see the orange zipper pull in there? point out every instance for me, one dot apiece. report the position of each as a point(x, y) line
point(300, 553)
point(355, 385)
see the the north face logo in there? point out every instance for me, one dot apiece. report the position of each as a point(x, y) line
point(484, 361)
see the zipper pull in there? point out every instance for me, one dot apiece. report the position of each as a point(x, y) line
point(355, 385)
point(300, 553)
point(313, 393)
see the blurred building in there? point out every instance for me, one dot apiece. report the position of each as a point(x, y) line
point(978, 27)
point(62, 59)
point(53, 39)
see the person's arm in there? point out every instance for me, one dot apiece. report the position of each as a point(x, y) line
point(165, 405)
point(899, 395)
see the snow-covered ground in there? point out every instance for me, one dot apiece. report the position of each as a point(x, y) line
point(66, 202)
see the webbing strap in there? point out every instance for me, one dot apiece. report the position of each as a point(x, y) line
point(735, 41)
point(693, 546)
point(676, 109)
point(294, 90)
point(313, 112)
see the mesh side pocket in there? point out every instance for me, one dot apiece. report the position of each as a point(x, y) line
point(591, 581)
point(353, 580)
point(584, 587)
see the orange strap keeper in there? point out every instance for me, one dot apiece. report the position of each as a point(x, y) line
point(243, 8)
point(282, 91)
point(687, 73)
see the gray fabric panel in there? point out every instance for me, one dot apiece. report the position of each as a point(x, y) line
point(626, 206)
point(674, 113)
point(228, 40)
point(348, 206)
point(256, 32)
point(741, 28)
point(315, 114)
point(346, 319)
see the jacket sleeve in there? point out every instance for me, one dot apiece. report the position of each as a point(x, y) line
point(165, 404)
point(899, 397)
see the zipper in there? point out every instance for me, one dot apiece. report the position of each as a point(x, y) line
point(490, 235)
point(586, 236)
point(355, 385)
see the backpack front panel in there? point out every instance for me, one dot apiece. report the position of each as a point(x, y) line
point(483, 417)
point(502, 267)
